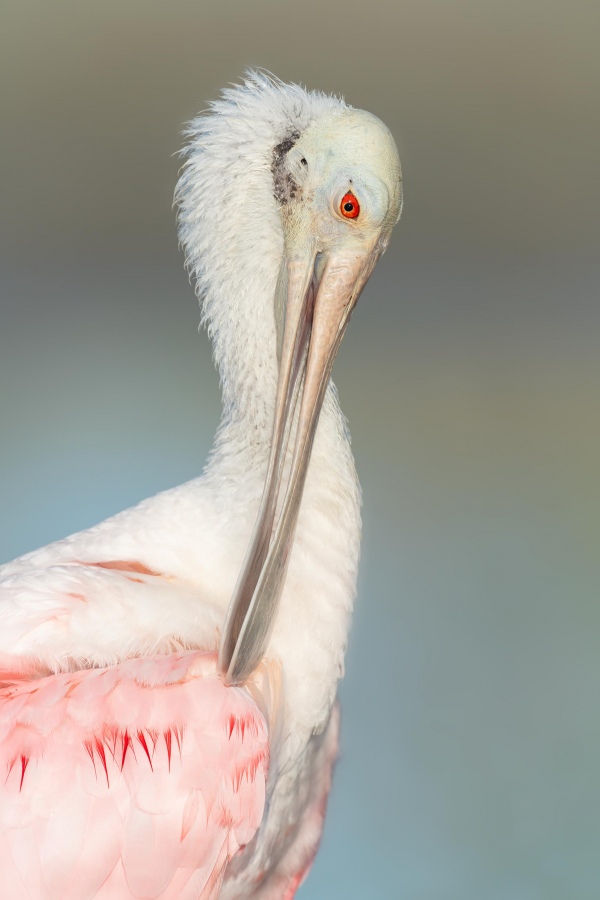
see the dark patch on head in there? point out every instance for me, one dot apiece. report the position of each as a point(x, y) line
point(284, 186)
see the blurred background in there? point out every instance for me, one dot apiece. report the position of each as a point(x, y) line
point(470, 376)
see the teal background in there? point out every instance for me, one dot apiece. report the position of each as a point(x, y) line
point(470, 376)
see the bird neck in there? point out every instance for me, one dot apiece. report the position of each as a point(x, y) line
point(230, 226)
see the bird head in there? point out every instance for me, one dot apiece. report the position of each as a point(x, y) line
point(338, 183)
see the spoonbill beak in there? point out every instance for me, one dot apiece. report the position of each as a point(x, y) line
point(318, 291)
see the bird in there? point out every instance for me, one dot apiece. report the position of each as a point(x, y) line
point(168, 678)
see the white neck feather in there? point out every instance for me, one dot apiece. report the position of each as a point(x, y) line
point(230, 228)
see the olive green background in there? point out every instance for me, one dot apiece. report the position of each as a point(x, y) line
point(470, 375)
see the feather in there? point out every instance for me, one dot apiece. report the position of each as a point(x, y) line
point(129, 822)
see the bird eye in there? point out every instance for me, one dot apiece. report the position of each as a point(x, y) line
point(349, 207)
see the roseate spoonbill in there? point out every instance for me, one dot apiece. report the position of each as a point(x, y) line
point(168, 721)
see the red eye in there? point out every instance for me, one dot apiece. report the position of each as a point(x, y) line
point(349, 207)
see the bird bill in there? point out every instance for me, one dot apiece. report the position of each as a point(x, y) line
point(317, 293)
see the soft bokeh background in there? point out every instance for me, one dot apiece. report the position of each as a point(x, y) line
point(470, 376)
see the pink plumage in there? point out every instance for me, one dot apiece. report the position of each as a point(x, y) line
point(141, 780)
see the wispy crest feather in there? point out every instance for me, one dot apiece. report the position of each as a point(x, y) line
point(227, 210)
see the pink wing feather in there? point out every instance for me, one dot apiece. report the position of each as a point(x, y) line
point(141, 780)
